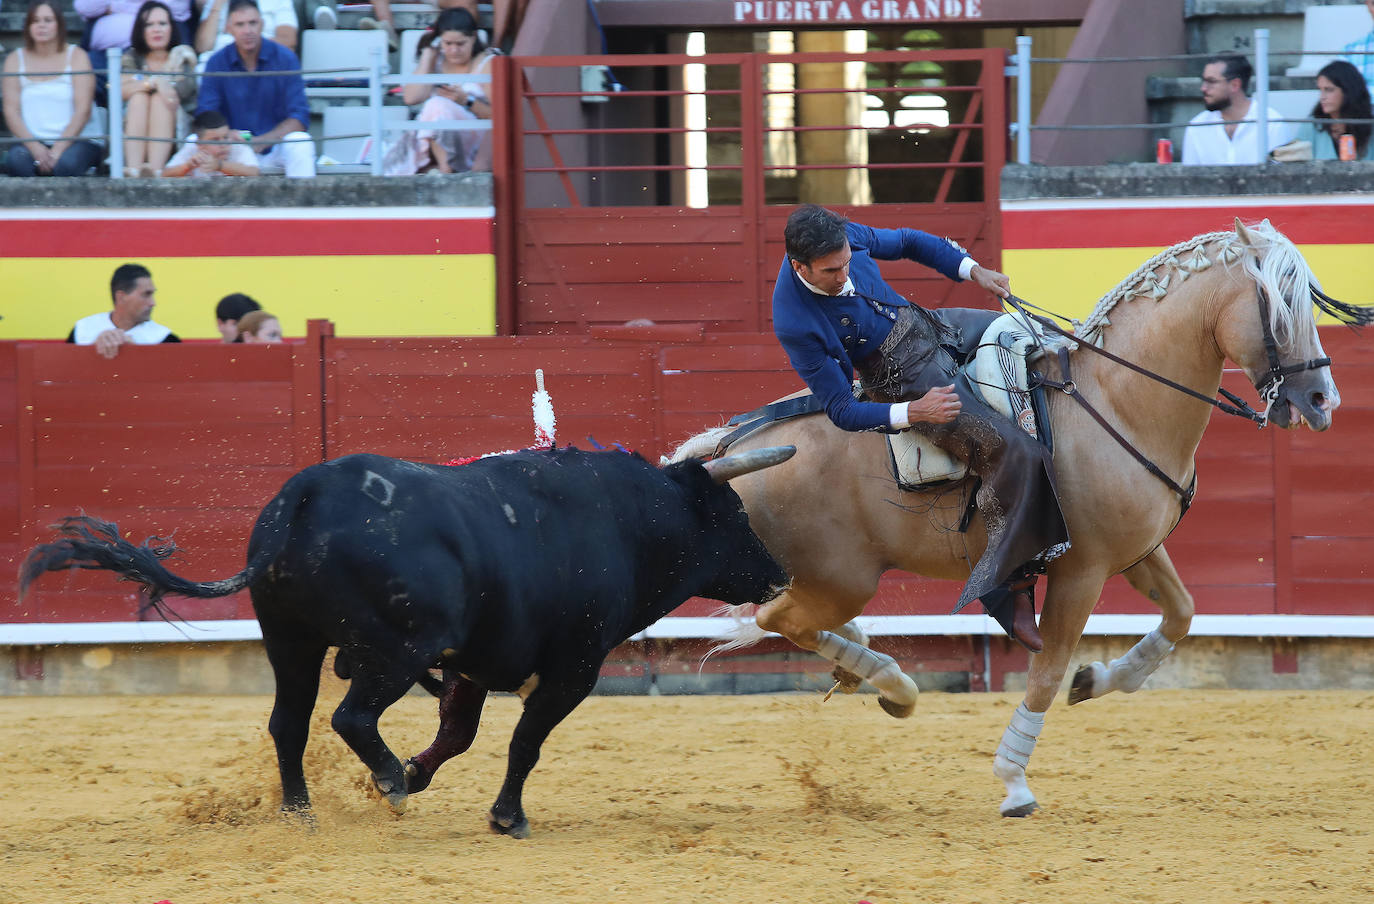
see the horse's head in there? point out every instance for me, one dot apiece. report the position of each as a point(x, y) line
point(1268, 327)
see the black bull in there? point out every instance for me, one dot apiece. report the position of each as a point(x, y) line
point(518, 572)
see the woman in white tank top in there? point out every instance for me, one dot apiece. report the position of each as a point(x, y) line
point(46, 105)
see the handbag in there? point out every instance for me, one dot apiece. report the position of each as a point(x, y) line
point(1296, 151)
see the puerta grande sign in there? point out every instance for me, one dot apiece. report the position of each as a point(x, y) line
point(838, 12)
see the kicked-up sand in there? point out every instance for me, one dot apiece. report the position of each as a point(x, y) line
point(1165, 796)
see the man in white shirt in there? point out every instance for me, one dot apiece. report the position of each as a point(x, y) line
point(130, 321)
point(1225, 133)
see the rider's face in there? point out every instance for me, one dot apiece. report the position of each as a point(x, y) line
point(829, 272)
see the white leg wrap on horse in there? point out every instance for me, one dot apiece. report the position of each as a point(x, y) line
point(1018, 741)
point(1130, 671)
point(879, 669)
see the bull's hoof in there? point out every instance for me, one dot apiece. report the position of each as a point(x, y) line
point(1082, 687)
point(394, 794)
point(1021, 811)
point(417, 779)
point(896, 710)
point(300, 814)
point(515, 828)
point(846, 682)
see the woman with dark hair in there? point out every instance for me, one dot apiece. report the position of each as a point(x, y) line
point(159, 89)
point(48, 106)
point(451, 46)
point(1344, 96)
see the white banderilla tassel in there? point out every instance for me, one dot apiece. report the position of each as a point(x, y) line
point(1018, 741)
point(543, 413)
point(878, 669)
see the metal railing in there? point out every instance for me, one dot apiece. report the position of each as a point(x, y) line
point(377, 79)
point(1019, 68)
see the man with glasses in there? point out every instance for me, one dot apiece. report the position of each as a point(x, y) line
point(1225, 133)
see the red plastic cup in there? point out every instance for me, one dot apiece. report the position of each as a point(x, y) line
point(1164, 151)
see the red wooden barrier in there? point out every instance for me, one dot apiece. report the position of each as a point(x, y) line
point(196, 438)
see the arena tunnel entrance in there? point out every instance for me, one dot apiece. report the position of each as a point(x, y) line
point(644, 190)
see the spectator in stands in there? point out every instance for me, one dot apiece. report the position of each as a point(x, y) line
point(278, 23)
point(1344, 95)
point(323, 15)
point(159, 86)
point(1225, 132)
point(215, 151)
point(450, 46)
point(272, 109)
point(259, 328)
point(1360, 53)
point(230, 311)
point(113, 22)
point(47, 102)
point(130, 321)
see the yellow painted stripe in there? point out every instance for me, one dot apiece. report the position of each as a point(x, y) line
point(391, 295)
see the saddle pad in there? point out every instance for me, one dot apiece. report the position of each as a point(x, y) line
point(998, 374)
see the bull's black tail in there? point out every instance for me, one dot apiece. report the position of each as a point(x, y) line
point(90, 543)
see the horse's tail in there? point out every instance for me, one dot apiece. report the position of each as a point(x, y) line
point(90, 543)
point(743, 632)
point(700, 446)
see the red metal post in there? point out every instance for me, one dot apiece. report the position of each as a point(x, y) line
point(753, 209)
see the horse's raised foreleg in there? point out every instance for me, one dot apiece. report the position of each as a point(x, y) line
point(1154, 577)
point(1068, 600)
point(798, 623)
point(846, 681)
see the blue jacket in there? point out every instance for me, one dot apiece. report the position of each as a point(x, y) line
point(257, 105)
point(809, 326)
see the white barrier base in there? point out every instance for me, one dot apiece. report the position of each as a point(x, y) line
point(224, 631)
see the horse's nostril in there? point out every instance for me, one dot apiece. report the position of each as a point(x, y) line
point(1319, 401)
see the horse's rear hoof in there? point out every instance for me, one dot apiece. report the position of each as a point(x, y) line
point(515, 828)
point(896, 710)
point(1082, 687)
point(1023, 810)
point(417, 779)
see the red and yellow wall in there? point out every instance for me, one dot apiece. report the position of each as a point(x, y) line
point(1066, 254)
point(372, 271)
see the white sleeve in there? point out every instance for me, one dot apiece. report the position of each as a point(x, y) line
point(183, 154)
point(966, 267)
point(896, 417)
point(275, 14)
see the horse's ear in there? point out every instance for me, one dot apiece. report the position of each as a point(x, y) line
point(1242, 233)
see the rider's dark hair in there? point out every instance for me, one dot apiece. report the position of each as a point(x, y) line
point(126, 276)
point(1235, 66)
point(812, 232)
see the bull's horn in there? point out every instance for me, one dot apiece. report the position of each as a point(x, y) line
point(732, 466)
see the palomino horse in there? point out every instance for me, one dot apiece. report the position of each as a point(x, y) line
point(835, 519)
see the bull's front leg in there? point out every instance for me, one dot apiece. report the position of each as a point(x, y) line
point(460, 710)
point(1155, 578)
point(550, 702)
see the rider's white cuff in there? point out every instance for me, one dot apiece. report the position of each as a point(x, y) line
point(966, 267)
point(897, 417)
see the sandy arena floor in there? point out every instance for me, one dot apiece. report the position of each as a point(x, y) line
point(1166, 796)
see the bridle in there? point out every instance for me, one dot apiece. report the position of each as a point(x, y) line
point(1269, 388)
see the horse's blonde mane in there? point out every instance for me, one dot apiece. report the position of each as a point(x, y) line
point(1270, 260)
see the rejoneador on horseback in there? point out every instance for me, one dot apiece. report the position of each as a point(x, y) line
point(1128, 395)
point(835, 315)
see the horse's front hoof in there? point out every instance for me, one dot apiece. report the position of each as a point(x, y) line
point(1020, 811)
point(518, 827)
point(896, 710)
point(1082, 687)
point(394, 794)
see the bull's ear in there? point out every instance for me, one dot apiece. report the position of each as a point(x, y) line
point(732, 466)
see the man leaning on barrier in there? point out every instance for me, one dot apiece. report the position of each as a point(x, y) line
point(272, 109)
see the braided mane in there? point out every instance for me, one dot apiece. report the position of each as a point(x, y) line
point(1272, 262)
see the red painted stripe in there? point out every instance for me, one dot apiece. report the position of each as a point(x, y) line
point(1159, 227)
point(242, 238)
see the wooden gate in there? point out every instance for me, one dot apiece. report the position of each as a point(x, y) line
point(665, 201)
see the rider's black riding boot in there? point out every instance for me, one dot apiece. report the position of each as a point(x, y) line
point(1012, 605)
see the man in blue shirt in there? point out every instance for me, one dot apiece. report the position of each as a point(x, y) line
point(834, 314)
point(273, 109)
